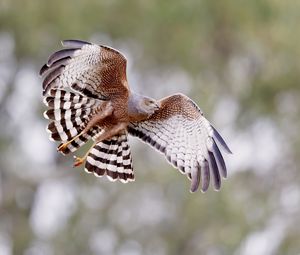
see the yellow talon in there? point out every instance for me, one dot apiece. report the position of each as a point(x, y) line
point(62, 147)
point(78, 161)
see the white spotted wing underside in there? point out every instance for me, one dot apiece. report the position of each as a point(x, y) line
point(187, 140)
point(92, 70)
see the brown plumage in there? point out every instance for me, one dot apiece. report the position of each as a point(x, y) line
point(87, 93)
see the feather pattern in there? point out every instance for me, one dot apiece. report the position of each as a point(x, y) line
point(111, 158)
point(76, 82)
point(93, 70)
point(69, 114)
point(180, 131)
point(74, 43)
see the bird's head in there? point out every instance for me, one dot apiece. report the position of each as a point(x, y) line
point(149, 105)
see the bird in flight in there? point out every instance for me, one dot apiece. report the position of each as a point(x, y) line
point(88, 97)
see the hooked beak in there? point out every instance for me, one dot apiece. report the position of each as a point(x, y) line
point(157, 106)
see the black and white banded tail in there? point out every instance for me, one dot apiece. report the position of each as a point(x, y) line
point(111, 158)
point(69, 113)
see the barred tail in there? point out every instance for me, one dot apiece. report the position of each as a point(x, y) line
point(69, 112)
point(113, 158)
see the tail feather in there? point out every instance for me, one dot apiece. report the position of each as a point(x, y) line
point(113, 158)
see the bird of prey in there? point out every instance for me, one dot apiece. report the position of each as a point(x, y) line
point(88, 97)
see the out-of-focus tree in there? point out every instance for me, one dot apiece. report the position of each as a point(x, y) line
point(237, 59)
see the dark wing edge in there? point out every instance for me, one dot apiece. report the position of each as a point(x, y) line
point(213, 163)
point(65, 54)
point(81, 66)
point(58, 60)
point(71, 43)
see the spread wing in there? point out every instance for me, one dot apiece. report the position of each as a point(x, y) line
point(93, 70)
point(180, 131)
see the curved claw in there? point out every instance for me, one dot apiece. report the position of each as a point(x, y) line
point(78, 161)
point(62, 147)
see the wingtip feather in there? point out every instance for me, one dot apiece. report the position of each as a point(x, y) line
point(205, 176)
point(195, 173)
point(64, 53)
point(219, 138)
point(43, 69)
point(74, 43)
point(219, 159)
point(215, 171)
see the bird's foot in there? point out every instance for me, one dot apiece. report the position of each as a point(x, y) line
point(78, 161)
point(62, 148)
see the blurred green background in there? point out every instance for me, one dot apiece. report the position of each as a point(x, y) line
point(239, 60)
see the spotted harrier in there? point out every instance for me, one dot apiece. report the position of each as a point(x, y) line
point(88, 97)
